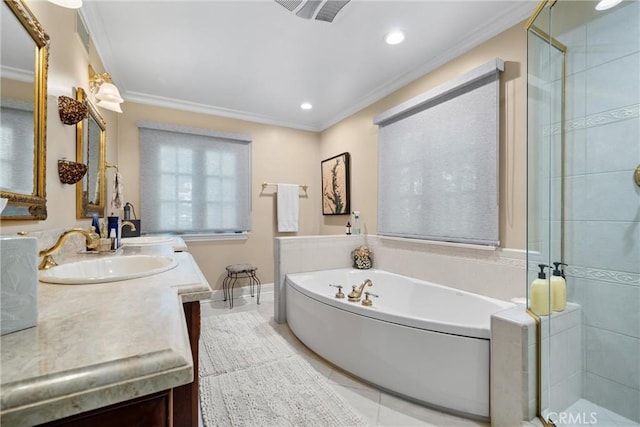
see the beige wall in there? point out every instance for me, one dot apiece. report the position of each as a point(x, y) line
point(279, 154)
point(358, 135)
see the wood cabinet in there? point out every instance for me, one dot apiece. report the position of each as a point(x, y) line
point(185, 398)
point(177, 407)
point(154, 410)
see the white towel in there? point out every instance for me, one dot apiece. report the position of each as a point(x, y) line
point(288, 207)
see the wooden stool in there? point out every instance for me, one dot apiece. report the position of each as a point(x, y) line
point(234, 271)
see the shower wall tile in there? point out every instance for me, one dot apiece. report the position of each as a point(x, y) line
point(613, 356)
point(600, 297)
point(575, 152)
point(613, 396)
point(575, 95)
point(612, 147)
point(613, 35)
point(574, 389)
point(611, 196)
point(613, 84)
point(575, 199)
point(575, 248)
point(621, 240)
point(575, 40)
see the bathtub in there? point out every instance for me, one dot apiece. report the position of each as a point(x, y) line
point(426, 342)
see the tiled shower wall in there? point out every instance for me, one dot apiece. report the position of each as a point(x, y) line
point(602, 203)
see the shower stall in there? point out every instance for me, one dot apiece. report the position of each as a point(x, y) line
point(583, 207)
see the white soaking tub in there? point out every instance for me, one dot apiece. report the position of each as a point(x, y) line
point(426, 342)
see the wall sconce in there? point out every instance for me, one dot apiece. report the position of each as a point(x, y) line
point(104, 91)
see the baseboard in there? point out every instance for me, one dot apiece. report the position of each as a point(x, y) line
point(241, 292)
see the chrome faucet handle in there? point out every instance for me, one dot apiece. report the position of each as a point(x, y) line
point(339, 294)
point(366, 301)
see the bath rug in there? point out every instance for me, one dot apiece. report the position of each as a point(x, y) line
point(282, 393)
point(236, 341)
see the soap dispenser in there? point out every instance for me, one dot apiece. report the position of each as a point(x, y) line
point(558, 288)
point(539, 294)
point(356, 222)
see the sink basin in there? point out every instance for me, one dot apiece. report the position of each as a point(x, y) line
point(108, 269)
point(146, 240)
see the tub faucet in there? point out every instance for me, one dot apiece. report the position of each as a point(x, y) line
point(355, 294)
point(92, 242)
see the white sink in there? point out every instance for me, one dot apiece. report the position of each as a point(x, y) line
point(109, 269)
point(147, 240)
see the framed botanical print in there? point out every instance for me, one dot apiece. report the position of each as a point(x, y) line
point(335, 185)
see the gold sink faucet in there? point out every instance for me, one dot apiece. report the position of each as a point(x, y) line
point(92, 242)
point(355, 294)
point(130, 224)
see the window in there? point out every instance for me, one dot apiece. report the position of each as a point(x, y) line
point(438, 162)
point(16, 163)
point(194, 180)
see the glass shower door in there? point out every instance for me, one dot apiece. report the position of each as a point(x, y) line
point(584, 206)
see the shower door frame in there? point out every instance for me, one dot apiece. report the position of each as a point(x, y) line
point(562, 49)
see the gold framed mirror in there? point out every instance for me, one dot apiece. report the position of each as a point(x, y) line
point(24, 112)
point(91, 142)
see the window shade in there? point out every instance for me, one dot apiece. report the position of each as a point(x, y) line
point(16, 163)
point(438, 162)
point(194, 180)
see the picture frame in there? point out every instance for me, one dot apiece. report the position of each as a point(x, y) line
point(335, 185)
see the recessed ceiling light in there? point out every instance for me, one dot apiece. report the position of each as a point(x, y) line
point(607, 4)
point(394, 37)
point(306, 106)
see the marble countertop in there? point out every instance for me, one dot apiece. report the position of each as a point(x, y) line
point(100, 344)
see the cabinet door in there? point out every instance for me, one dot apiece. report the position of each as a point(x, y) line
point(153, 410)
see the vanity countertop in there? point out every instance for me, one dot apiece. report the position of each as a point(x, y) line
point(100, 344)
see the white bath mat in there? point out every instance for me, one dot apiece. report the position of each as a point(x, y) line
point(231, 342)
point(250, 376)
point(287, 392)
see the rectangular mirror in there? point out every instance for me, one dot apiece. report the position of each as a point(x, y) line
point(91, 141)
point(23, 105)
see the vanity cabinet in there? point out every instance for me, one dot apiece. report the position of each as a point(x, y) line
point(147, 411)
point(177, 407)
point(186, 398)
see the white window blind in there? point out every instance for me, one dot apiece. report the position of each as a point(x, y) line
point(194, 180)
point(438, 162)
point(16, 163)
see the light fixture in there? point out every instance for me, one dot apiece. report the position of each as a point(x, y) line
point(103, 89)
point(607, 4)
point(394, 37)
point(306, 106)
point(69, 4)
point(109, 105)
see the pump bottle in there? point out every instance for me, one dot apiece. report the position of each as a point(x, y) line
point(540, 303)
point(356, 222)
point(558, 288)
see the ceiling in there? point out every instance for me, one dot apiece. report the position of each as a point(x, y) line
point(257, 61)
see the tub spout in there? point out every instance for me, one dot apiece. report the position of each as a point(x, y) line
point(356, 293)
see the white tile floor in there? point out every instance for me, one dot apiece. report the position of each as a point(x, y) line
point(378, 407)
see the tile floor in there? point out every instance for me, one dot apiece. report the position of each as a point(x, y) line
point(378, 407)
